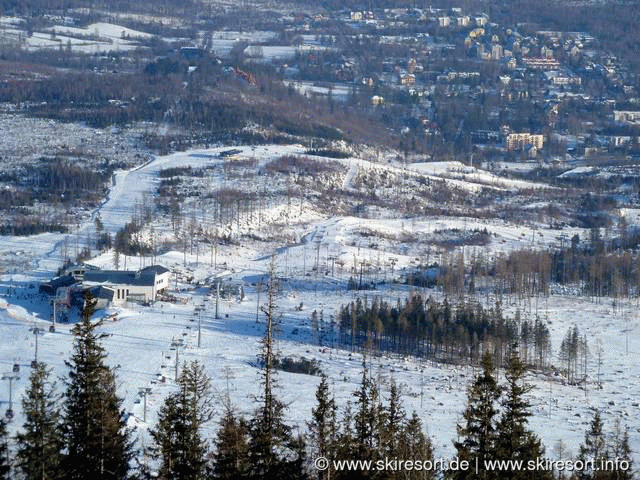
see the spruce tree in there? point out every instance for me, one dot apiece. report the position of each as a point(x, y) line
point(178, 439)
point(274, 452)
point(393, 420)
point(97, 440)
point(478, 435)
point(621, 450)
point(167, 435)
point(413, 444)
point(515, 441)
point(363, 429)
point(345, 442)
point(594, 451)
point(40, 443)
point(402, 438)
point(231, 458)
point(5, 462)
point(323, 427)
point(368, 418)
point(373, 432)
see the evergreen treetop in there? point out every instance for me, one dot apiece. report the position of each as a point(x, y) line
point(40, 442)
point(97, 439)
point(478, 434)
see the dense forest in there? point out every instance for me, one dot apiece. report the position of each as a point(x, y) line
point(441, 330)
point(58, 181)
point(37, 7)
point(214, 105)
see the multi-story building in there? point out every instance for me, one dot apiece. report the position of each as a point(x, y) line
point(521, 141)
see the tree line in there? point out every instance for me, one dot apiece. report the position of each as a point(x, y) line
point(441, 330)
point(596, 267)
point(56, 181)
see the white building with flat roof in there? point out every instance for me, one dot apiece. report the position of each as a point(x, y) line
point(143, 285)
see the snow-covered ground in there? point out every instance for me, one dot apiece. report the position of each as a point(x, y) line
point(338, 92)
point(141, 338)
point(223, 41)
point(472, 175)
point(95, 38)
point(24, 139)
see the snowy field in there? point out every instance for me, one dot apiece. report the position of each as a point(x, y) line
point(24, 139)
point(223, 41)
point(95, 38)
point(338, 92)
point(141, 338)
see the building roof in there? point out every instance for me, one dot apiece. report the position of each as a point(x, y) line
point(103, 293)
point(156, 269)
point(78, 267)
point(121, 277)
point(52, 285)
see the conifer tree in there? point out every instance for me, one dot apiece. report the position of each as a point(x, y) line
point(40, 443)
point(274, 452)
point(367, 418)
point(415, 445)
point(177, 435)
point(621, 450)
point(323, 427)
point(363, 430)
point(372, 432)
point(231, 458)
point(393, 419)
point(345, 443)
point(515, 441)
point(403, 438)
point(5, 463)
point(167, 435)
point(593, 451)
point(478, 435)
point(97, 440)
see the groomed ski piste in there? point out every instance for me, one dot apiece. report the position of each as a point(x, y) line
point(144, 341)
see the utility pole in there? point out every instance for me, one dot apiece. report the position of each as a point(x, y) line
point(217, 298)
point(199, 329)
point(626, 330)
point(11, 377)
point(198, 311)
point(36, 331)
point(258, 301)
point(176, 344)
point(143, 392)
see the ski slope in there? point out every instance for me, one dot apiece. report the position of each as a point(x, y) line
point(142, 340)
